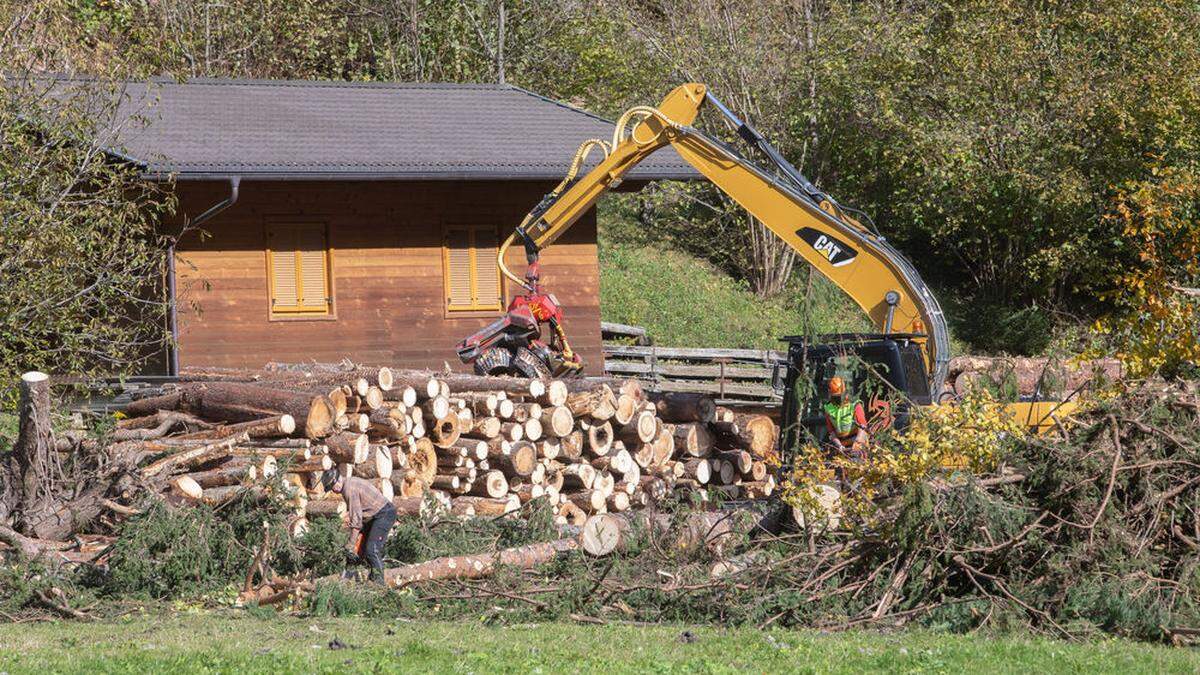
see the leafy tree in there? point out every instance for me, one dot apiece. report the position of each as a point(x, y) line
point(987, 136)
point(1156, 327)
point(81, 260)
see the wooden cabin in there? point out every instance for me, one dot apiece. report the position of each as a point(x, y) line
point(329, 221)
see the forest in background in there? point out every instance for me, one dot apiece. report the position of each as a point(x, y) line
point(1035, 160)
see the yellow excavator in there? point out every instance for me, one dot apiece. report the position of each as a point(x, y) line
point(910, 352)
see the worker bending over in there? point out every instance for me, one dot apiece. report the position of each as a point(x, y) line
point(371, 518)
point(846, 422)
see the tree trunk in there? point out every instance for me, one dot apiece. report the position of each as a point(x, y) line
point(479, 566)
point(511, 385)
point(269, 427)
point(639, 429)
point(599, 403)
point(233, 472)
point(694, 439)
point(192, 457)
point(445, 430)
point(237, 402)
point(485, 427)
point(347, 448)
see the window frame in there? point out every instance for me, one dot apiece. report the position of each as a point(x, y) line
point(298, 313)
point(474, 310)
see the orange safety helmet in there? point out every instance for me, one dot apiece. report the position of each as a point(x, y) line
point(837, 386)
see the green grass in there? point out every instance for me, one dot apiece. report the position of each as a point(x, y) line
point(684, 302)
point(243, 642)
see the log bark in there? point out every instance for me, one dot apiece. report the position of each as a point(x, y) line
point(511, 385)
point(435, 408)
point(590, 501)
point(377, 465)
point(519, 461)
point(151, 405)
point(348, 448)
point(277, 426)
point(571, 446)
point(756, 433)
point(493, 484)
point(599, 404)
point(698, 469)
point(488, 506)
point(639, 429)
point(740, 459)
point(31, 500)
point(233, 472)
point(222, 495)
point(512, 431)
point(424, 385)
point(557, 421)
point(237, 402)
point(618, 501)
point(325, 508)
point(320, 463)
point(694, 439)
point(193, 456)
point(479, 566)
point(579, 476)
point(485, 427)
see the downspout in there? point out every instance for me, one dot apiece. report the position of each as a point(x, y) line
point(235, 183)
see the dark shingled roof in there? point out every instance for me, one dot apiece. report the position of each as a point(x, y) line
point(208, 128)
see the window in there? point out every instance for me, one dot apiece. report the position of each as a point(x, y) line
point(469, 267)
point(298, 269)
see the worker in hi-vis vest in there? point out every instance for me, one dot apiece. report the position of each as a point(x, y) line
point(846, 421)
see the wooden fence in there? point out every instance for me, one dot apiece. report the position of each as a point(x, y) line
point(731, 375)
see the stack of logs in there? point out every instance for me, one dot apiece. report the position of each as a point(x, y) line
point(467, 444)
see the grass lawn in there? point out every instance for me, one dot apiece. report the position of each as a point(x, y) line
point(238, 641)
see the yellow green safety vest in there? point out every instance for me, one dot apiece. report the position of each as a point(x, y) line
point(841, 417)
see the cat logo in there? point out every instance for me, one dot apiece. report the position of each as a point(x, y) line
point(835, 251)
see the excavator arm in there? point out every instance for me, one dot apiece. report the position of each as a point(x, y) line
point(861, 262)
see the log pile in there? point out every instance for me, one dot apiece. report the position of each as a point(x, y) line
point(469, 445)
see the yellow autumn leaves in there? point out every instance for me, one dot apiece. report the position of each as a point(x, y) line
point(969, 435)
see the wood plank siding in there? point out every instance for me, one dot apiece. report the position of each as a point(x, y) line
point(386, 272)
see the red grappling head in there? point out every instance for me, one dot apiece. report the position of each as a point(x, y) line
point(533, 275)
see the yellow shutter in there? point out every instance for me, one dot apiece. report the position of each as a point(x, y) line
point(487, 274)
point(472, 276)
point(298, 254)
point(458, 268)
point(314, 277)
point(284, 292)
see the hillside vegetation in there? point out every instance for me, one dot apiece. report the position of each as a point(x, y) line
point(1037, 162)
point(685, 302)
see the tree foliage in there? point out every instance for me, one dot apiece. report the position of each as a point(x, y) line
point(81, 259)
point(1156, 325)
point(988, 139)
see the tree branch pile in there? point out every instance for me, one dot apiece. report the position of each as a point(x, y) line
point(1095, 530)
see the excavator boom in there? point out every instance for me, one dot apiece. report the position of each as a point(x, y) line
point(861, 262)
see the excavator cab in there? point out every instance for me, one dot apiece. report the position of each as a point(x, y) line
point(886, 372)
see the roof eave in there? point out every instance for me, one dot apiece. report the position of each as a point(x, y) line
point(331, 176)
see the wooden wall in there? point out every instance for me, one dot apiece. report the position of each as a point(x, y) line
point(389, 305)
